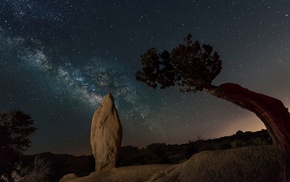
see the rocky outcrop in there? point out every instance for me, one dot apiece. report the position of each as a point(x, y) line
point(106, 135)
point(251, 164)
point(271, 111)
point(68, 177)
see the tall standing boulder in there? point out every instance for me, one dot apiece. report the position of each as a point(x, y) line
point(106, 135)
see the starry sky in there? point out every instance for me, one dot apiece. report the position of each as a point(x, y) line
point(59, 58)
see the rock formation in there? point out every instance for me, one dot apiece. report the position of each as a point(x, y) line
point(251, 164)
point(68, 177)
point(271, 111)
point(106, 135)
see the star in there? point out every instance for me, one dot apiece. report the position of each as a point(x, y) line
point(59, 58)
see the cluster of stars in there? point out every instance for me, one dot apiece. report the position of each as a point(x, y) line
point(63, 56)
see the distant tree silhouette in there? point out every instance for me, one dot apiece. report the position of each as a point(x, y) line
point(15, 129)
point(193, 67)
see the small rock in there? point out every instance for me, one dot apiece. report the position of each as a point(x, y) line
point(68, 177)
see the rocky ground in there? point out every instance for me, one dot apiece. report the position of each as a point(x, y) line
point(216, 150)
point(251, 164)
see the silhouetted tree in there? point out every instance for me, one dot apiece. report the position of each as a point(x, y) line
point(15, 129)
point(193, 67)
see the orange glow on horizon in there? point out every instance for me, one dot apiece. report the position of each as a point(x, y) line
point(248, 123)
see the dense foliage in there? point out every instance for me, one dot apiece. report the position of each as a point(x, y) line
point(190, 66)
point(15, 129)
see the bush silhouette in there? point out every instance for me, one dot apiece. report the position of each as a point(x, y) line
point(15, 129)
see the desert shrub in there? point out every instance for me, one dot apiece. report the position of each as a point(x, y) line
point(16, 128)
point(158, 148)
point(257, 141)
point(239, 133)
point(182, 161)
point(38, 171)
point(190, 150)
point(260, 141)
point(238, 143)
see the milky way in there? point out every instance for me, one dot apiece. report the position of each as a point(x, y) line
point(59, 58)
point(86, 84)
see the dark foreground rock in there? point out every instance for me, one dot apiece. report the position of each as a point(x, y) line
point(251, 164)
point(62, 164)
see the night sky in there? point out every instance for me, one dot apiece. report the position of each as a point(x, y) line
point(59, 58)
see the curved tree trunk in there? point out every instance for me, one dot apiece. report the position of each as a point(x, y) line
point(271, 111)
